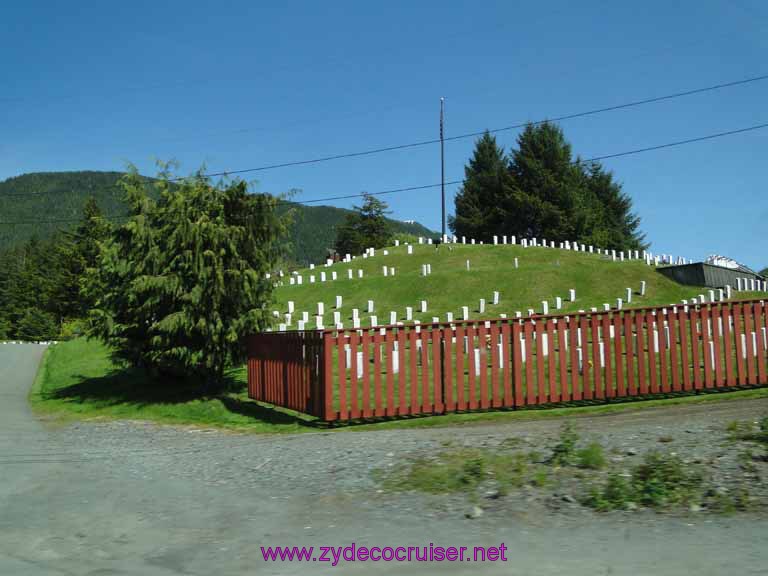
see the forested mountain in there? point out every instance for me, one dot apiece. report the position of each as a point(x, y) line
point(38, 205)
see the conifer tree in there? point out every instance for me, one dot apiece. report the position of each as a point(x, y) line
point(79, 251)
point(180, 285)
point(366, 227)
point(482, 202)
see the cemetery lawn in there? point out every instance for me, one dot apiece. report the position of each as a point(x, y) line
point(543, 274)
point(77, 380)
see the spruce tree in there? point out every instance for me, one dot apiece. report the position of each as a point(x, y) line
point(79, 251)
point(482, 202)
point(366, 227)
point(546, 195)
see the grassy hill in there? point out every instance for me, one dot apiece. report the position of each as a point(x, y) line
point(59, 197)
point(543, 274)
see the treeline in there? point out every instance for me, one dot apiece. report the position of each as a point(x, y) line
point(540, 190)
point(40, 281)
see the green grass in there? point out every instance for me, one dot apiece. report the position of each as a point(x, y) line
point(78, 380)
point(543, 274)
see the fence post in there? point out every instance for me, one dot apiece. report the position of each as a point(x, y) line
point(326, 379)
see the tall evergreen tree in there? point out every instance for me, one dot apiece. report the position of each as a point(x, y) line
point(614, 223)
point(482, 202)
point(181, 284)
point(546, 182)
point(366, 227)
point(79, 251)
point(543, 193)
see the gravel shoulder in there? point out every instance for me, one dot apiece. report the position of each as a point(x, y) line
point(134, 498)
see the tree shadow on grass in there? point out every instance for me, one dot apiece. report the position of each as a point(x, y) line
point(134, 387)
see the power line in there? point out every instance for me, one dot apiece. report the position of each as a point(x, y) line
point(495, 130)
point(372, 151)
point(453, 182)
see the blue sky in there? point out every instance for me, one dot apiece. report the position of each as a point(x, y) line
point(232, 85)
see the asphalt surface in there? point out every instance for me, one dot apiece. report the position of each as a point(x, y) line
point(129, 498)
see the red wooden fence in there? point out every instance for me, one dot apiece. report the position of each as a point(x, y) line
point(511, 363)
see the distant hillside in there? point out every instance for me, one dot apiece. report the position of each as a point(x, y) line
point(63, 195)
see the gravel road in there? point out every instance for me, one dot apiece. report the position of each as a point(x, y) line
point(103, 498)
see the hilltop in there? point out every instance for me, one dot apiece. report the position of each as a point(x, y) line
point(58, 198)
point(542, 274)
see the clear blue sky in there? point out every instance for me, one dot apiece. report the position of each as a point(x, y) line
point(236, 84)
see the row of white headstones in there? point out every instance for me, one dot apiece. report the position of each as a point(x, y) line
point(297, 279)
point(714, 296)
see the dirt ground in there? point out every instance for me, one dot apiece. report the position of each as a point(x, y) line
point(119, 498)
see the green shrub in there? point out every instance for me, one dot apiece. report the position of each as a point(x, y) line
point(591, 457)
point(662, 479)
point(616, 494)
point(564, 452)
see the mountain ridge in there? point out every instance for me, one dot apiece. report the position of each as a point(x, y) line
point(55, 200)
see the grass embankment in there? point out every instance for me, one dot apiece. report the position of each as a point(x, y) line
point(78, 381)
point(543, 274)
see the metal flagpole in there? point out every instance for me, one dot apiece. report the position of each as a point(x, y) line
point(442, 161)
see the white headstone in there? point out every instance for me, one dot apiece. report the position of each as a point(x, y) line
point(301, 324)
point(320, 308)
point(544, 307)
point(393, 317)
point(370, 306)
point(465, 312)
point(423, 305)
point(572, 295)
point(359, 273)
point(409, 313)
point(629, 295)
point(374, 321)
point(558, 302)
point(481, 306)
point(410, 249)
point(642, 287)
point(291, 306)
point(495, 298)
